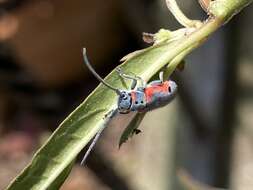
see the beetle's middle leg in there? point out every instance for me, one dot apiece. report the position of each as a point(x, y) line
point(133, 78)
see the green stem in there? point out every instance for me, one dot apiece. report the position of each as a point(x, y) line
point(226, 9)
point(177, 60)
point(222, 10)
point(185, 43)
point(180, 16)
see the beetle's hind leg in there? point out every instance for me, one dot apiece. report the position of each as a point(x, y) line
point(160, 81)
point(133, 78)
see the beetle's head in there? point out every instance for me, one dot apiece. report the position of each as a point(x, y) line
point(124, 102)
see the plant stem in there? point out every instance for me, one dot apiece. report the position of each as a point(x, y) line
point(220, 15)
point(226, 9)
point(186, 43)
point(180, 16)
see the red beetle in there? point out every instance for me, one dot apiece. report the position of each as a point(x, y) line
point(147, 97)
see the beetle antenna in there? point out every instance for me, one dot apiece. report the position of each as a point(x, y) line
point(92, 145)
point(86, 61)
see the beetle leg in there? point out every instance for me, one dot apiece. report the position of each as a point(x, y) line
point(161, 76)
point(134, 83)
point(92, 145)
point(133, 78)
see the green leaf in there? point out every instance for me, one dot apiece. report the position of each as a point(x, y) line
point(129, 130)
point(82, 124)
point(62, 177)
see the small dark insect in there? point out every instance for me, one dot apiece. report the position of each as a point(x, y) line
point(136, 131)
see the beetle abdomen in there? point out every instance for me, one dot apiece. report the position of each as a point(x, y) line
point(158, 95)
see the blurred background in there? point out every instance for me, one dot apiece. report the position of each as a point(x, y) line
point(204, 137)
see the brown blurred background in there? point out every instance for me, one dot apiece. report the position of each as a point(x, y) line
point(206, 132)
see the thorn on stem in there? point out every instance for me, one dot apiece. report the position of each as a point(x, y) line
point(148, 37)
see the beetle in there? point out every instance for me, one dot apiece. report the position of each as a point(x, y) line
point(144, 98)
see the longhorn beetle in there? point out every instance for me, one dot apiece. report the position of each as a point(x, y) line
point(144, 98)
